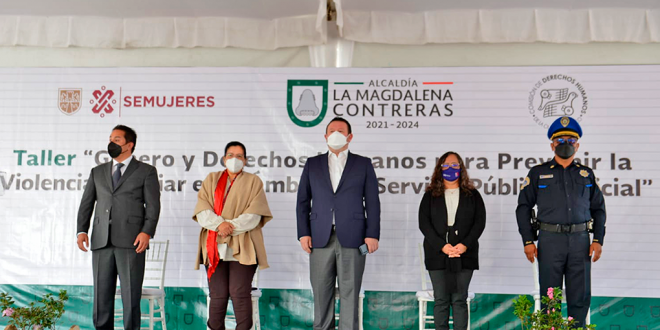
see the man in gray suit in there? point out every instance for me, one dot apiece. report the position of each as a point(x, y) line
point(127, 198)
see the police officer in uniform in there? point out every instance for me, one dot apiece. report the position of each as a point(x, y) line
point(567, 197)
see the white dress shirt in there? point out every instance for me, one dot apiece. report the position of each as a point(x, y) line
point(336, 164)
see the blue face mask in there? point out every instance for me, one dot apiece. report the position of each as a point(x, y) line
point(451, 174)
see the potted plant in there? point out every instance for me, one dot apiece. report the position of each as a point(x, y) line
point(33, 316)
point(549, 318)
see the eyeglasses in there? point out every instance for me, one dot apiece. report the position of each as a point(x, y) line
point(453, 165)
point(570, 141)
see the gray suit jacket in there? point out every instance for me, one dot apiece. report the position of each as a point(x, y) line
point(133, 206)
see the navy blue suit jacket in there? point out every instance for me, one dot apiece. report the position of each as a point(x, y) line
point(355, 204)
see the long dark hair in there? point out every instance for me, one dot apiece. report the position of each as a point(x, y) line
point(437, 187)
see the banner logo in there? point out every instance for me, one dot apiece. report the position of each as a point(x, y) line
point(103, 101)
point(557, 102)
point(556, 96)
point(69, 100)
point(307, 101)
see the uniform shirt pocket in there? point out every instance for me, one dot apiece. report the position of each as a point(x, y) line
point(583, 187)
point(547, 191)
point(545, 186)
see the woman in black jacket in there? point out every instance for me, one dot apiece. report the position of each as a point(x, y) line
point(452, 216)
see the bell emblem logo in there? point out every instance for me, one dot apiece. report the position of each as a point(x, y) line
point(307, 101)
point(307, 105)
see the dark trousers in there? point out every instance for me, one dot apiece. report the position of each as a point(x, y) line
point(444, 299)
point(107, 263)
point(231, 279)
point(567, 255)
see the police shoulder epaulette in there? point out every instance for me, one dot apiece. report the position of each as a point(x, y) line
point(547, 164)
point(540, 166)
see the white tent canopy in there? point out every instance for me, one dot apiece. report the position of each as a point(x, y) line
point(416, 22)
point(295, 33)
point(268, 24)
point(252, 24)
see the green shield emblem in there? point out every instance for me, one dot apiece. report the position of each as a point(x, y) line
point(307, 101)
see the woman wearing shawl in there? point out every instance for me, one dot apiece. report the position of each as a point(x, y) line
point(452, 216)
point(231, 208)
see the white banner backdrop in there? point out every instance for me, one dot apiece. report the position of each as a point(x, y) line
point(56, 123)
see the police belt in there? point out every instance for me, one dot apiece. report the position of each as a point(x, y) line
point(559, 228)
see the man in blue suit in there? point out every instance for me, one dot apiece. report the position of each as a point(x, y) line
point(338, 211)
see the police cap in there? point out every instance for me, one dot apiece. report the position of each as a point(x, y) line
point(564, 126)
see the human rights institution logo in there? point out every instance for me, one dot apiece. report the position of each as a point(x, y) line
point(307, 101)
point(69, 100)
point(556, 96)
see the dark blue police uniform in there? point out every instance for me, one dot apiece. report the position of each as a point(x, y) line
point(566, 198)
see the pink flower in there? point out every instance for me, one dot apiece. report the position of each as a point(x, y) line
point(36, 327)
point(8, 312)
point(570, 318)
point(553, 310)
point(553, 328)
point(551, 293)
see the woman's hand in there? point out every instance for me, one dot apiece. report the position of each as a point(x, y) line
point(225, 229)
point(460, 248)
point(450, 251)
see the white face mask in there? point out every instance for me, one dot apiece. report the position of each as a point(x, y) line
point(234, 165)
point(337, 141)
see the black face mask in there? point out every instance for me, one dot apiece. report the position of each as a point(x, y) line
point(114, 150)
point(565, 150)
